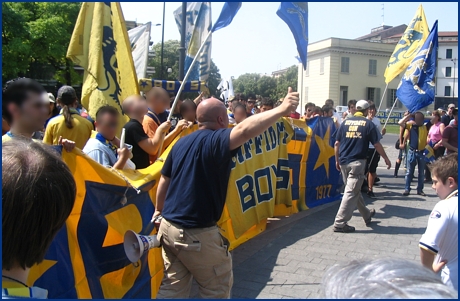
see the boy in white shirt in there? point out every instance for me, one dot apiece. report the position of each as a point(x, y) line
point(439, 244)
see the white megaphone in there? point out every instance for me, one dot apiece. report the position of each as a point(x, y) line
point(136, 245)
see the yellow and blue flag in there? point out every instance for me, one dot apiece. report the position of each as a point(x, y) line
point(100, 45)
point(428, 152)
point(295, 14)
point(226, 15)
point(409, 45)
point(416, 89)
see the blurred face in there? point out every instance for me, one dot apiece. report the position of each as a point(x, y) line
point(419, 118)
point(309, 112)
point(352, 109)
point(140, 107)
point(189, 113)
point(435, 118)
point(372, 113)
point(107, 125)
point(250, 104)
point(449, 110)
point(443, 189)
point(32, 114)
point(329, 103)
point(240, 114)
point(51, 107)
point(265, 108)
point(328, 113)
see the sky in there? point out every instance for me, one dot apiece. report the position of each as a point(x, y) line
point(258, 41)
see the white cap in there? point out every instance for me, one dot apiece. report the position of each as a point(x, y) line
point(362, 105)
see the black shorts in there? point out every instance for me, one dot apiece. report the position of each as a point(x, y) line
point(375, 161)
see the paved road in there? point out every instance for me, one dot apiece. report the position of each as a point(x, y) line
point(289, 259)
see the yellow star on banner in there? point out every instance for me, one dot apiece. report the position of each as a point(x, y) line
point(38, 270)
point(325, 151)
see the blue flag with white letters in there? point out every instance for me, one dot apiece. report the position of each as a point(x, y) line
point(416, 89)
point(295, 14)
point(226, 15)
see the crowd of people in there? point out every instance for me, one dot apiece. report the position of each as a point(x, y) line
point(36, 204)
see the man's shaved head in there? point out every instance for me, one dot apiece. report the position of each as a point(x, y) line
point(212, 114)
point(134, 105)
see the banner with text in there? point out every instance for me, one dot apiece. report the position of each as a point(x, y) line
point(172, 86)
point(87, 258)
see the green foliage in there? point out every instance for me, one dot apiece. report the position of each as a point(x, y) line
point(35, 37)
point(171, 60)
point(266, 86)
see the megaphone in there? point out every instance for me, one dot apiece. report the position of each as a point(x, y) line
point(136, 245)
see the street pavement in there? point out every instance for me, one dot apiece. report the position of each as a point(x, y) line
point(289, 259)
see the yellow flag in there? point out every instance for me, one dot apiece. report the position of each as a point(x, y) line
point(100, 45)
point(409, 45)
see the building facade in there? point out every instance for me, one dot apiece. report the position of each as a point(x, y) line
point(343, 69)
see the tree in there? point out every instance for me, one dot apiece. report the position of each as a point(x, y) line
point(171, 60)
point(266, 86)
point(35, 37)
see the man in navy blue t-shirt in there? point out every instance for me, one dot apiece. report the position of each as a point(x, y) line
point(191, 196)
point(351, 147)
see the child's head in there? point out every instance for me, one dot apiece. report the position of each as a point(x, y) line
point(188, 110)
point(240, 113)
point(444, 172)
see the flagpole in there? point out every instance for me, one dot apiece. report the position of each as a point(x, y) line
point(189, 71)
point(381, 100)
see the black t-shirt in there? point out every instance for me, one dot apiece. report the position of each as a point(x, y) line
point(135, 134)
point(174, 120)
point(354, 135)
point(446, 119)
point(199, 166)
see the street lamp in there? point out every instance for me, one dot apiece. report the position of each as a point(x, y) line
point(455, 64)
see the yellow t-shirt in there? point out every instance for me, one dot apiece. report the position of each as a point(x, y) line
point(80, 133)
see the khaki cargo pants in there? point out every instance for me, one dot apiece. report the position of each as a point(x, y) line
point(200, 253)
point(353, 177)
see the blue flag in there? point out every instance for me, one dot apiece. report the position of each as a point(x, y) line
point(416, 89)
point(226, 15)
point(295, 14)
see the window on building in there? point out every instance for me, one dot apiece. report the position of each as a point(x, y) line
point(448, 53)
point(372, 67)
point(305, 97)
point(307, 69)
point(391, 98)
point(448, 71)
point(345, 65)
point(447, 91)
point(373, 94)
point(321, 66)
point(343, 95)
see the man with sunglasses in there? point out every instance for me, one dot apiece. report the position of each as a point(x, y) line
point(250, 105)
point(103, 147)
point(446, 119)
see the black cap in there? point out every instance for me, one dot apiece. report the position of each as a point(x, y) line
point(66, 94)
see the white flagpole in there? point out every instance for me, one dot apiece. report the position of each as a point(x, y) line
point(386, 121)
point(182, 87)
point(381, 100)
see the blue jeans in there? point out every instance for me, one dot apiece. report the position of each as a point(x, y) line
point(415, 158)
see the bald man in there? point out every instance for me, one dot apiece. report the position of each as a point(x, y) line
point(143, 145)
point(158, 101)
point(191, 196)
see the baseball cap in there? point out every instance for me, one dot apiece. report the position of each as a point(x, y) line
point(362, 105)
point(451, 106)
point(66, 93)
point(51, 98)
